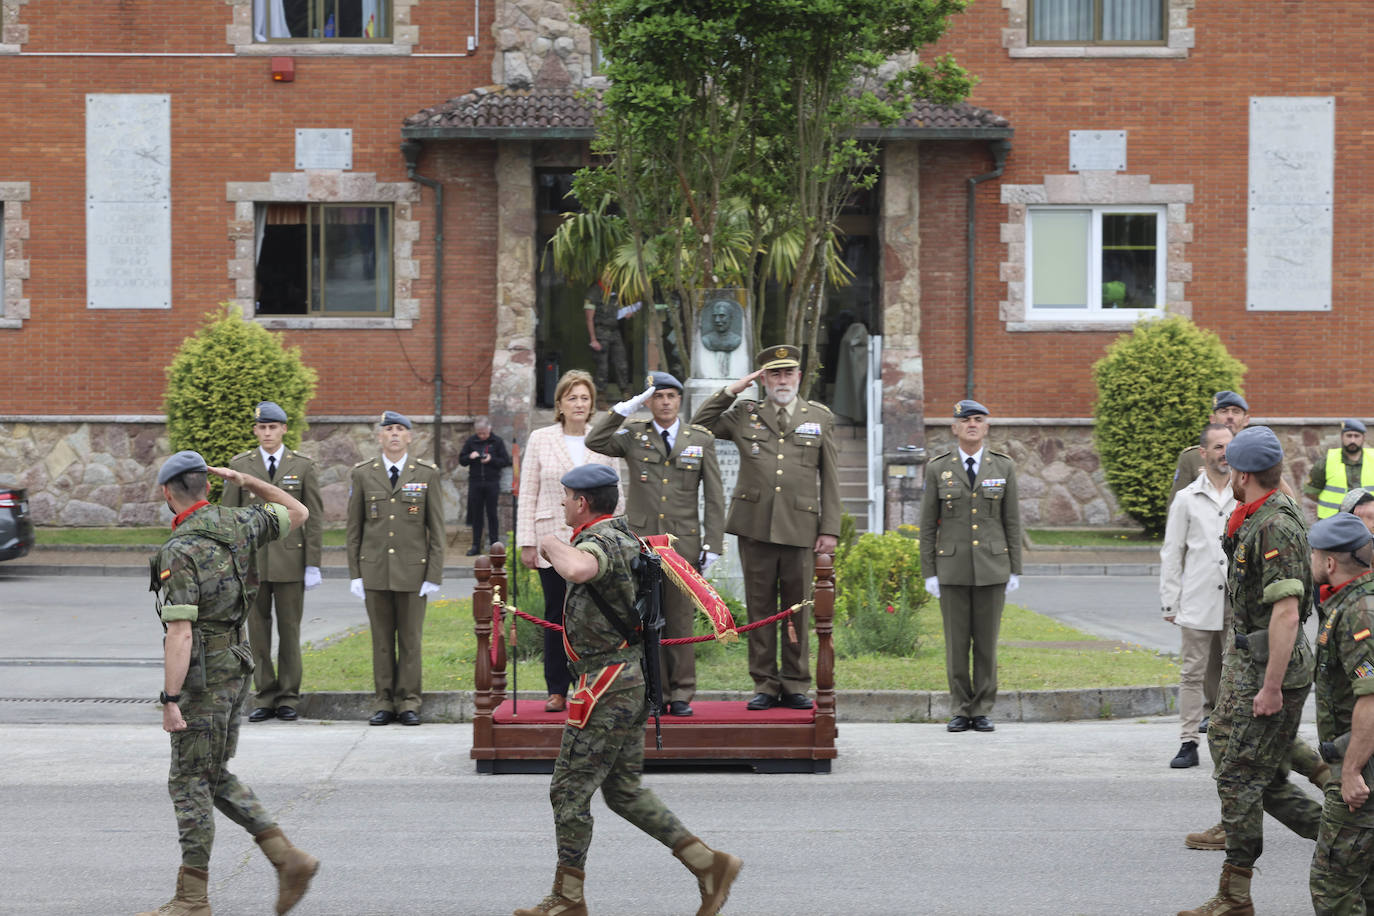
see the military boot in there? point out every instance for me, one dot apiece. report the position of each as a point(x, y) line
point(715, 872)
point(1232, 897)
point(566, 897)
point(190, 899)
point(294, 867)
point(1212, 838)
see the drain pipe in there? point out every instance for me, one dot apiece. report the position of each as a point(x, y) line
point(410, 149)
point(999, 150)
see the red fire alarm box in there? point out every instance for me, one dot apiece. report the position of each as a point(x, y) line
point(283, 69)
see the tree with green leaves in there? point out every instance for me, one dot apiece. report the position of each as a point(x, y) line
point(220, 374)
point(1154, 394)
point(726, 142)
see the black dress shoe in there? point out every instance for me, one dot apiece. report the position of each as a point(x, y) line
point(796, 701)
point(409, 717)
point(262, 714)
point(382, 717)
point(958, 724)
point(679, 708)
point(474, 551)
point(762, 701)
point(287, 713)
point(981, 724)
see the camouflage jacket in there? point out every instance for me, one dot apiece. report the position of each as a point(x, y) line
point(207, 568)
point(1269, 560)
point(1345, 660)
point(594, 638)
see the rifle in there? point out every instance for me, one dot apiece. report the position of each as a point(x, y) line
point(648, 607)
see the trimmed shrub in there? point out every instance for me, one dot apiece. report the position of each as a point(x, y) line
point(218, 376)
point(880, 593)
point(1154, 394)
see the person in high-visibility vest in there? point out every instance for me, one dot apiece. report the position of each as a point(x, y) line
point(1345, 468)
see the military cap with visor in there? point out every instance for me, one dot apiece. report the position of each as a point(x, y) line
point(1340, 533)
point(780, 357)
point(968, 408)
point(1254, 449)
point(179, 464)
point(663, 381)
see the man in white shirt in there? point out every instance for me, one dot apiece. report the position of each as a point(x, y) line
point(1192, 584)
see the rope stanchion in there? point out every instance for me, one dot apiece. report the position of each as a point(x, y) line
point(682, 640)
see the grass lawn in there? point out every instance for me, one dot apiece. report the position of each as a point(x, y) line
point(69, 537)
point(1090, 537)
point(450, 644)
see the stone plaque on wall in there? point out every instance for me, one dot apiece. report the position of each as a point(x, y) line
point(727, 575)
point(1097, 151)
point(323, 148)
point(128, 201)
point(1289, 225)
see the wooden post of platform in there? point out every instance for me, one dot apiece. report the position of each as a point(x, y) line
point(824, 615)
point(482, 699)
point(500, 593)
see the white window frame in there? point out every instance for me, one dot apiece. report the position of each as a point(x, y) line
point(1179, 37)
point(1094, 310)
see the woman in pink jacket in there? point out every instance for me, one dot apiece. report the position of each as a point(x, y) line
point(550, 453)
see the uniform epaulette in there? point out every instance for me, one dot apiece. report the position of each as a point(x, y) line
point(296, 454)
point(818, 404)
point(999, 454)
point(747, 404)
point(945, 454)
point(242, 455)
point(698, 426)
point(427, 464)
point(365, 461)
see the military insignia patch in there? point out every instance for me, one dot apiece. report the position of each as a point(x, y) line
point(780, 352)
point(1361, 635)
point(1240, 554)
point(166, 574)
point(947, 475)
point(1364, 669)
point(1271, 554)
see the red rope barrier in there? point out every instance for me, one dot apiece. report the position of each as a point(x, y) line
point(682, 640)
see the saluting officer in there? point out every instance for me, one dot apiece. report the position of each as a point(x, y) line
point(396, 559)
point(286, 568)
point(785, 510)
point(971, 552)
point(670, 463)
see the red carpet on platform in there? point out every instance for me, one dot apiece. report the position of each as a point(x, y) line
point(707, 712)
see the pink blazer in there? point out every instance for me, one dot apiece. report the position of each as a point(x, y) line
point(543, 463)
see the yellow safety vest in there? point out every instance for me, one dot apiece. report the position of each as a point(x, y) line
point(1329, 499)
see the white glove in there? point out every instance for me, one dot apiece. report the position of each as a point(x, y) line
point(707, 559)
point(1013, 583)
point(356, 587)
point(427, 589)
point(312, 577)
point(933, 586)
point(625, 408)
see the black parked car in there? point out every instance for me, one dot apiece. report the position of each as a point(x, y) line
point(16, 530)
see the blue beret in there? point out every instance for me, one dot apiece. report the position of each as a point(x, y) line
point(1341, 532)
point(1254, 448)
point(392, 418)
point(269, 412)
point(589, 477)
point(1229, 399)
point(1354, 498)
point(1352, 426)
point(967, 408)
point(662, 381)
point(180, 463)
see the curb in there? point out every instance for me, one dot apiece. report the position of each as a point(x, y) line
point(141, 571)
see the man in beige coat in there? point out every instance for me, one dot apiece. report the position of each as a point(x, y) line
point(971, 554)
point(670, 463)
point(396, 559)
point(785, 510)
point(287, 568)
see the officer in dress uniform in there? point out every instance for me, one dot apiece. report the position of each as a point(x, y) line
point(785, 510)
point(287, 569)
point(971, 552)
point(396, 558)
point(670, 462)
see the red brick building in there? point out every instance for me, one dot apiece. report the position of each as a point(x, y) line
point(295, 198)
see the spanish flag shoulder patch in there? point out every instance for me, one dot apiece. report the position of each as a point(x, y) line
point(166, 574)
point(1271, 554)
point(1362, 634)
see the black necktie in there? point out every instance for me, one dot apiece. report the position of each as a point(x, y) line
point(271, 467)
point(971, 473)
point(395, 475)
point(667, 446)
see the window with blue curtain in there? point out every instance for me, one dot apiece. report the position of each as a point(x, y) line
point(1092, 21)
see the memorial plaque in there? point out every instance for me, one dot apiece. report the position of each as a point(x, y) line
point(128, 201)
point(1291, 190)
point(324, 148)
point(1097, 150)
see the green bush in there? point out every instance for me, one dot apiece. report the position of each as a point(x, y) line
point(218, 376)
point(1154, 394)
point(528, 595)
point(880, 596)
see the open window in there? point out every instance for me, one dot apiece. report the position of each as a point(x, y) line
point(322, 20)
point(323, 260)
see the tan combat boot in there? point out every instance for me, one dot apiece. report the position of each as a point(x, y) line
point(715, 872)
point(1211, 838)
point(190, 899)
point(566, 897)
point(294, 867)
point(1232, 897)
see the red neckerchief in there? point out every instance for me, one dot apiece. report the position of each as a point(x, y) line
point(1326, 591)
point(583, 527)
point(1239, 516)
point(187, 514)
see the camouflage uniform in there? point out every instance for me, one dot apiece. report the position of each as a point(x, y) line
point(612, 354)
point(1268, 560)
point(209, 577)
point(607, 752)
point(1344, 859)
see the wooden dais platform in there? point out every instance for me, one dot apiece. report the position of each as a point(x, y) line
point(510, 737)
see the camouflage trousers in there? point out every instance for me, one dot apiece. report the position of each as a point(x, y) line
point(1252, 756)
point(607, 753)
point(612, 357)
point(1342, 876)
point(199, 780)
